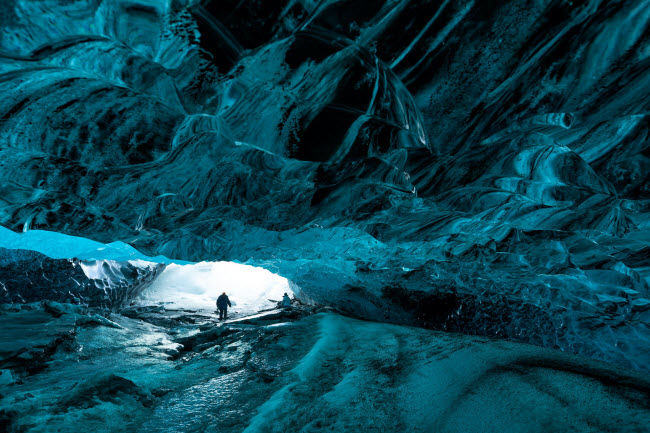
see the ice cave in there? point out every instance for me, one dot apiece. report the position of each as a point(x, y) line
point(425, 216)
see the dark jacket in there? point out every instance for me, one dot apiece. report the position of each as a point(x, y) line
point(223, 302)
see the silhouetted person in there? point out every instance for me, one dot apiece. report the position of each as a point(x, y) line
point(286, 302)
point(222, 304)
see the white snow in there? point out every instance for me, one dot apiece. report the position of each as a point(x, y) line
point(197, 286)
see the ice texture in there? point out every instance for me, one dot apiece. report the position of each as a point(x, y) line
point(480, 167)
point(60, 246)
point(28, 276)
point(324, 372)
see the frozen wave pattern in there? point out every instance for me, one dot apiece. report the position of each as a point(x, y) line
point(466, 166)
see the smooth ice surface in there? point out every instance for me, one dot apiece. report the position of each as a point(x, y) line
point(197, 287)
point(61, 246)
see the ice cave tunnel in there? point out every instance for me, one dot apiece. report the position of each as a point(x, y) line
point(455, 196)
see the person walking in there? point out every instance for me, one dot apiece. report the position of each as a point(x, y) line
point(222, 305)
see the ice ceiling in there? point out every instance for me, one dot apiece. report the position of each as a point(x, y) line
point(480, 167)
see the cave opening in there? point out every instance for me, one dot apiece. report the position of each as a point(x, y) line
point(197, 286)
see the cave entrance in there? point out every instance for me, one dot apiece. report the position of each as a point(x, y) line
point(196, 287)
point(181, 286)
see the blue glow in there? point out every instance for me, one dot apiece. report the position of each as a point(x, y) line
point(456, 174)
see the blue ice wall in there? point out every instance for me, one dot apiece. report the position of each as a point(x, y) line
point(60, 246)
point(479, 167)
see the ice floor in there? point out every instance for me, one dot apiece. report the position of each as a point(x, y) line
point(152, 370)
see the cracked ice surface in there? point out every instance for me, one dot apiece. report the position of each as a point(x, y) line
point(479, 167)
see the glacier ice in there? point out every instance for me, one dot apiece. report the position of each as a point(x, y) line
point(471, 167)
point(124, 276)
point(27, 276)
point(60, 246)
point(321, 372)
point(354, 163)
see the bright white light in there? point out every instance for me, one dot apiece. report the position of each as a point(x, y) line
point(197, 286)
